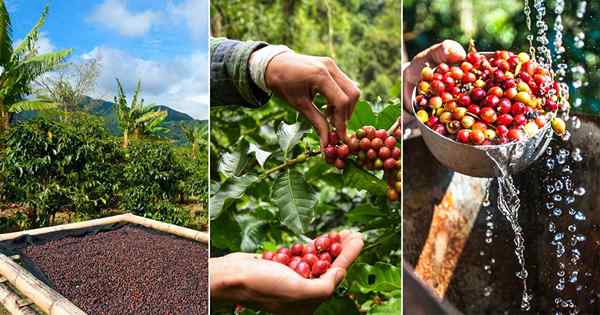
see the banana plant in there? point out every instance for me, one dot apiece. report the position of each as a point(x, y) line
point(197, 136)
point(20, 66)
point(137, 118)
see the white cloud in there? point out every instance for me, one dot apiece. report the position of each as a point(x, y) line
point(114, 15)
point(195, 15)
point(180, 83)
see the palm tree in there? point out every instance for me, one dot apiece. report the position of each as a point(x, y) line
point(21, 65)
point(196, 135)
point(137, 119)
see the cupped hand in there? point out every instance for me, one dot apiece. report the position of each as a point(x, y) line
point(297, 78)
point(246, 279)
point(447, 51)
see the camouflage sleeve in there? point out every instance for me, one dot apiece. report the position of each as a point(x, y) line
point(230, 81)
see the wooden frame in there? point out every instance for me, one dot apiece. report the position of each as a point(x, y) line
point(23, 283)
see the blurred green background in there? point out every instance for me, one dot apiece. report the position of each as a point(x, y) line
point(362, 35)
point(502, 25)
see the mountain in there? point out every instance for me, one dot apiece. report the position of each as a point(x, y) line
point(104, 109)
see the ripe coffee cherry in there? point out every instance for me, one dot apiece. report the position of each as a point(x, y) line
point(281, 258)
point(354, 145)
point(294, 262)
point(504, 120)
point(438, 87)
point(515, 134)
point(459, 113)
point(559, 126)
point(474, 109)
point(297, 249)
point(476, 137)
point(469, 77)
point(335, 249)
point(390, 142)
point(322, 243)
point(320, 267)
point(517, 108)
point(392, 195)
point(477, 94)
point(381, 134)
point(442, 68)
point(445, 117)
point(439, 128)
point(489, 134)
point(511, 92)
point(335, 237)
point(488, 115)
point(519, 120)
point(504, 106)
point(303, 269)
point(371, 154)
point(309, 249)
point(479, 126)
point(385, 153)
point(310, 259)
point(465, 100)
point(427, 74)
point(369, 131)
point(466, 66)
point(268, 255)
point(389, 164)
point(451, 106)
point(365, 143)
point(377, 143)
point(467, 121)
point(396, 153)
point(463, 135)
point(551, 106)
point(330, 151)
point(283, 250)
point(340, 164)
point(496, 91)
point(343, 151)
point(325, 256)
point(491, 100)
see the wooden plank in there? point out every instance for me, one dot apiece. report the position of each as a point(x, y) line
point(10, 301)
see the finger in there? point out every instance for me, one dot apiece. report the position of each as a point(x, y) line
point(352, 245)
point(324, 286)
point(446, 51)
point(319, 122)
point(345, 83)
point(336, 97)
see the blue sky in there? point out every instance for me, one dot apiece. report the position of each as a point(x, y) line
point(162, 42)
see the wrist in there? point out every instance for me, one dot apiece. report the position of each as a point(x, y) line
point(259, 62)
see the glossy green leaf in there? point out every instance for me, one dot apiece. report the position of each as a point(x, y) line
point(295, 200)
point(234, 188)
point(363, 116)
point(234, 163)
point(289, 136)
point(252, 232)
point(361, 179)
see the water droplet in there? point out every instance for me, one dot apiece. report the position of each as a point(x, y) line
point(560, 287)
point(580, 216)
point(557, 212)
point(561, 159)
point(572, 211)
point(557, 197)
point(573, 277)
point(551, 227)
point(570, 200)
point(488, 240)
point(481, 253)
point(580, 237)
point(558, 185)
point(572, 228)
point(487, 291)
point(522, 274)
point(550, 188)
point(580, 191)
point(560, 273)
point(549, 205)
point(550, 164)
point(558, 236)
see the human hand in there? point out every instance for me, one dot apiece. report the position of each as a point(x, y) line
point(248, 280)
point(447, 51)
point(297, 78)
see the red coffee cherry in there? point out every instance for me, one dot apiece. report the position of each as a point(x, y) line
point(322, 243)
point(297, 249)
point(310, 259)
point(335, 249)
point(281, 258)
point(303, 269)
point(320, 267)
point(268, 255)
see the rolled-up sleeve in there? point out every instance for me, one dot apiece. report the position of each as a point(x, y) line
point(230, 81)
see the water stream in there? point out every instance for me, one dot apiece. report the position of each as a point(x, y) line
point(560, 188)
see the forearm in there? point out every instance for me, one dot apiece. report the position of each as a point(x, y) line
point(231, 83)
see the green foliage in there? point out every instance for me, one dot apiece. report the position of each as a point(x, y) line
point(261, 196)
point(502, 25)
point(77, 167)
point(362, 36)
point(20, 67)
point(52, 166)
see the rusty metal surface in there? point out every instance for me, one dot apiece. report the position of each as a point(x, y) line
point(427, 183)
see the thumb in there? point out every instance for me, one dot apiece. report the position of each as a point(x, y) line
point(324, 286)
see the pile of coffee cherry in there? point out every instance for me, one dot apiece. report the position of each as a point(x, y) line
point(375, 149)
point(309, 260)
point(488, 100)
